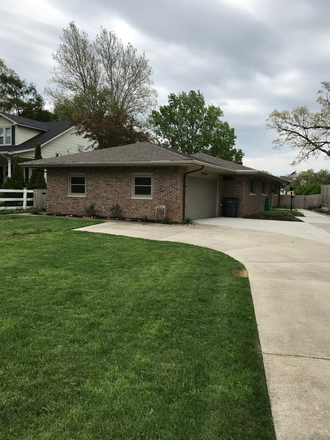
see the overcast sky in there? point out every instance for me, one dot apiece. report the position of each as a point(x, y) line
point(246, 56)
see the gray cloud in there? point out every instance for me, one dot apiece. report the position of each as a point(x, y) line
point(248, 61)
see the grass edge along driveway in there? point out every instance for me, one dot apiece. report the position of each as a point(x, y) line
point(106, 337)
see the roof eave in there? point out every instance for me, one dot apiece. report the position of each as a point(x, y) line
point(112, 164)
point(6, 117)
point(23, 125)
point(157, 163)
point(58, 135)
point(31, 126)
point(20, 151)
point(262, 174)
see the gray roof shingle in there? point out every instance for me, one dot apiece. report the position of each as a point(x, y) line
point(219, 162)
point(25, 121)
point(143, 153)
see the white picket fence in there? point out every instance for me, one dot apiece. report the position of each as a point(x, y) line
point(24, 198)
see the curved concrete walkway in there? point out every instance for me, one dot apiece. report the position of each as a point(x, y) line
point(289, 272)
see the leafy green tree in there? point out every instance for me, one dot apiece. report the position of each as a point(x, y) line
point(322, 177)
point(309, 180)
point(110, 130)
point(304, 130)
point(307, 189)
point(196, 126)
point(20, 98)
point(303, 177)
point(100, 75)
point(37, 179)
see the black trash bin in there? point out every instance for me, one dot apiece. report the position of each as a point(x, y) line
point(230, 206)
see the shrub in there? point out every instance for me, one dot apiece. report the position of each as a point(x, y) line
point(166, 221)
point(16, 181)
point(90, 211)
point(37, 179)
point(280, 214)
point(116, 211)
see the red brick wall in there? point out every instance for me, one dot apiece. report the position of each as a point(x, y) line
point(248, 203)
point(107, 186)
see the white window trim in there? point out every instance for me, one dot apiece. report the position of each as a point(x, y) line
point(4, 135)
point(141, 197)
point(70, 194)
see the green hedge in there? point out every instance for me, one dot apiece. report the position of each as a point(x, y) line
point(308, 189)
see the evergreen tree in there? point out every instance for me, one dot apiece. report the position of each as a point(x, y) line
point(37, 179)
point(16, 181)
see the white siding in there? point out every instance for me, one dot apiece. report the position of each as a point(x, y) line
point(23, 134)
point(67, 143)
point(4, 122)
point(64, 144)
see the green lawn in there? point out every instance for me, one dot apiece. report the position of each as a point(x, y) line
point(106, 337)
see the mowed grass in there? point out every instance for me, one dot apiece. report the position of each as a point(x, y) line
point(106, 337)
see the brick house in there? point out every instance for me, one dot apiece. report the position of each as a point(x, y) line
point(145, 178)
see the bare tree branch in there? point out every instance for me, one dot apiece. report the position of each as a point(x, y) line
point(304, 130)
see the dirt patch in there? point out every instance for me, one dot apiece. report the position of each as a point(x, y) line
point(242, 273)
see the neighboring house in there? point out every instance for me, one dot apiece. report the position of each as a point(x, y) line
point(20, 136)
point(143, 178)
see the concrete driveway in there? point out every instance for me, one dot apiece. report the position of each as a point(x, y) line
point(289, 271)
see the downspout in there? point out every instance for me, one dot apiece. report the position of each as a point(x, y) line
point(184, 188)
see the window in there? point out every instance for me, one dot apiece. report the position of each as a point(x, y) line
point(252, 189)
point(142, 186)
point(5, 135)
point(264, 187)
point(81, 148)
point(77, 185)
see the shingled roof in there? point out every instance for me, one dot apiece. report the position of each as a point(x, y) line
point(145, 154)
point(137, 153)
point(219, 162)
point(25, 122)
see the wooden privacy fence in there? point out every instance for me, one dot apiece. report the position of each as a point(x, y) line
point(305, 202)
point(325, 193)
point(24, 196)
